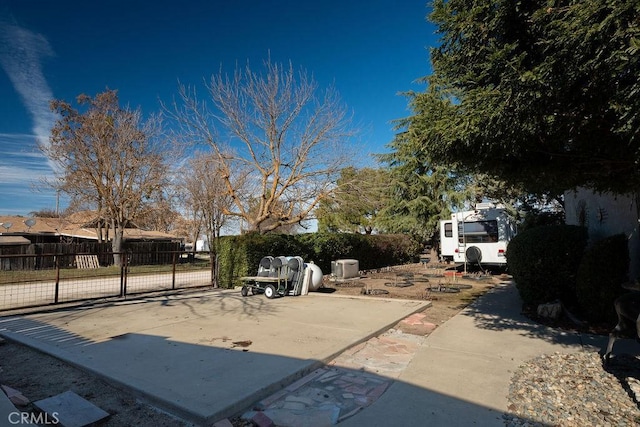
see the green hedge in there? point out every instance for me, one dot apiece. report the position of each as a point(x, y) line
point(240, 255)
point(544, 262)
point(603, 269)
point(371, 251)
point(326, 247)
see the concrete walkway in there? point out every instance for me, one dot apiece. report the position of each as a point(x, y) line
point(206, 356)
point(461, 375)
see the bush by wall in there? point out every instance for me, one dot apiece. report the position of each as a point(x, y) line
point(603, 269)
point(240, 255)
point(544, 261)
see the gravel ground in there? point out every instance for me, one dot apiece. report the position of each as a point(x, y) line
point(575, 390)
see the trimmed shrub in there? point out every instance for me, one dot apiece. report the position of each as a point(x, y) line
point(544, 261)
point(371, 251)
point(603, 269)
point(390, 249)
point(240, 255)
point(234, 260)
point(326, 247)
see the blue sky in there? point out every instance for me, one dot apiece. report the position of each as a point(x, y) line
point(369, 50)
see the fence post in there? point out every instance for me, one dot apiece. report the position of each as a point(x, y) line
point(173, 274)
point(123, 275)
point(57, 291)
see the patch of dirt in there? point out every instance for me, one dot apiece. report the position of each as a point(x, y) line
point(432, 282)
point(39, 376)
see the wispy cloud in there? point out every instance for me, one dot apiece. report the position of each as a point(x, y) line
point(21, 164)
point(23, 168)
point(21, 54)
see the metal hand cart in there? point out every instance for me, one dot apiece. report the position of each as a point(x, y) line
point(277, 276)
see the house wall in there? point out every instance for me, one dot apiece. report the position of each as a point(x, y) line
point(606, 214)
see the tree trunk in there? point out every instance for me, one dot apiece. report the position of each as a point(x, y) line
point(116, 244)
point(215, 273)
point(214, 257)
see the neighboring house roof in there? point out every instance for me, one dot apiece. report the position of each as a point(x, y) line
point(78, 225)
point(90, 219)
point(13, 240)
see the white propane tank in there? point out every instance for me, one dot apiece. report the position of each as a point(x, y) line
point(316, 277)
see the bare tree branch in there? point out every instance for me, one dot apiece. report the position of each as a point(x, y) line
point(291, 142)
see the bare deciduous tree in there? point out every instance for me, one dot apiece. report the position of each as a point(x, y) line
point(107, 158)
point(291, 142)
point(159, 215)
point(206, 200)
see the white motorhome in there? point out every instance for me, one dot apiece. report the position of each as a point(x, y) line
point(478, 237)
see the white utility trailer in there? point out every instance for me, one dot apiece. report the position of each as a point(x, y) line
point(478, 237)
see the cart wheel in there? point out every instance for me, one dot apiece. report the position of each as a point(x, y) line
point(269, 291)
point(244, 291)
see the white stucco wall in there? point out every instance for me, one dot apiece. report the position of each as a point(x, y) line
point(605, 215)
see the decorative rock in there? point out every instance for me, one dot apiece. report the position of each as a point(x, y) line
point(574, 390)
point(422, 328)
point(552, 310)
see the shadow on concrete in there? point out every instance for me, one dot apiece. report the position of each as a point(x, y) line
point(504, 313)
point(208, 355)
point(204, 384)
point(250, 306)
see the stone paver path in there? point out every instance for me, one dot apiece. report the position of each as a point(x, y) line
point(346, 385)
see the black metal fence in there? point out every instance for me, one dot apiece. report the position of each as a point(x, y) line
point(41, 278)
point(141, 253)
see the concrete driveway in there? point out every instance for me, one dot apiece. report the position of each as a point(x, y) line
point(207, 355)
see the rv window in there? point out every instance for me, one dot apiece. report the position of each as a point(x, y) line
point(448, 229)
point(478, 232)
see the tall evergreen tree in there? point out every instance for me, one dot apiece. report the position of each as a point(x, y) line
point(421, 193)
point(355, 204)
point(544, 94)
